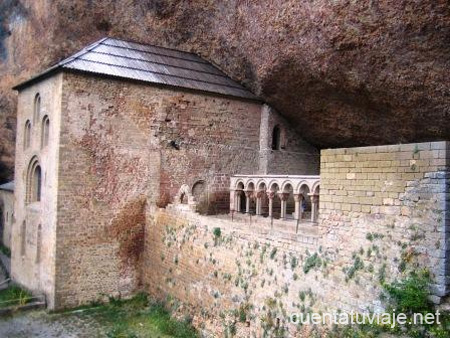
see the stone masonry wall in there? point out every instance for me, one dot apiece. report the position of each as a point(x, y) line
point(7, 214)
point(295, 156)
point(388, 205)
point(249, 268)
point(34, 268)
point(383, 213)
point(204, 138)
point(124, 145)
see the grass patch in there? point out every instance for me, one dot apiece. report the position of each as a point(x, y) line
point(139, 317)
point(14, 295)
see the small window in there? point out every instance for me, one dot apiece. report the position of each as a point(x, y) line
point(45, 131)
point(23, 238)
point(37, 107)
point(276, 138)
point(27, 135)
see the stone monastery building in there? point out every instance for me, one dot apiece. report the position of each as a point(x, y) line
point(128, 155)
point(119, 126)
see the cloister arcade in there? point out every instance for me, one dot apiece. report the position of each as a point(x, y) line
point(278, 196)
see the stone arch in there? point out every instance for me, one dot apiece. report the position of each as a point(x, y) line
point(316, 187)
point(201, 196)
point(261, 185)
point(288, 188)
point(250, 185)
point(34, 181)
point(263, 200)
point(301, 185)
point(240, 185)
point(184, 195)
point(45, 131)
point(199, 190)
point(286, 184)
point(274, 186)
point(305, 190)
point(37, 107)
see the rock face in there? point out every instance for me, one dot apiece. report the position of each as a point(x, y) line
point(344, 73)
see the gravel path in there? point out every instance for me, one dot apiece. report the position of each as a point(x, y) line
point(40, 324)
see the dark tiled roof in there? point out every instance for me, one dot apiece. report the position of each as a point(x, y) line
point(7, 186)
point(123, 59)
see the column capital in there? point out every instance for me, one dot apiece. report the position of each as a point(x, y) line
point(260, 193)
point(298, 197)
point(283, 196)
point(314, 197)
point(271, 195)
point(248, 193)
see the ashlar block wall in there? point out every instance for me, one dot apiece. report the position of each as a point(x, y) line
point(392, 204)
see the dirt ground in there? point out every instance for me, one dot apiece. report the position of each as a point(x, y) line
point(39, 324)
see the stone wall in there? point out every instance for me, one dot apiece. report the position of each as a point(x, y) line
point(7, 214)
point(294, 157)
point(203, 138)
point(383, 213)
point(125, 145)
point(391, 204)
point(249, 267)
point(34, 267)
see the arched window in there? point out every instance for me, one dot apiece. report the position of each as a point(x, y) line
point(37, 107)
point(45, 131)
point(37, 183)
point(34, 181)
point(27, 135)
point(276, 138)
point(199, 191)
point(23, 238)
point(200, 196)
point(39, 244)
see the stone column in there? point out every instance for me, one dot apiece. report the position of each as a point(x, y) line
point(270, 195)
point(283, 197)
point(298, 206)
point(248, 196)
point(314, 206)
point(238, 200)
point(259, 196)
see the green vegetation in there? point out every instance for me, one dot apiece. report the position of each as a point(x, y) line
point(371, 236)
point(312, 262)
point(273, 253)
point(357, 265)
point(217, 234)
point(138, 317)
point(408, 296)
point(6, 251)
point(13, 296)
point(294, 262)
